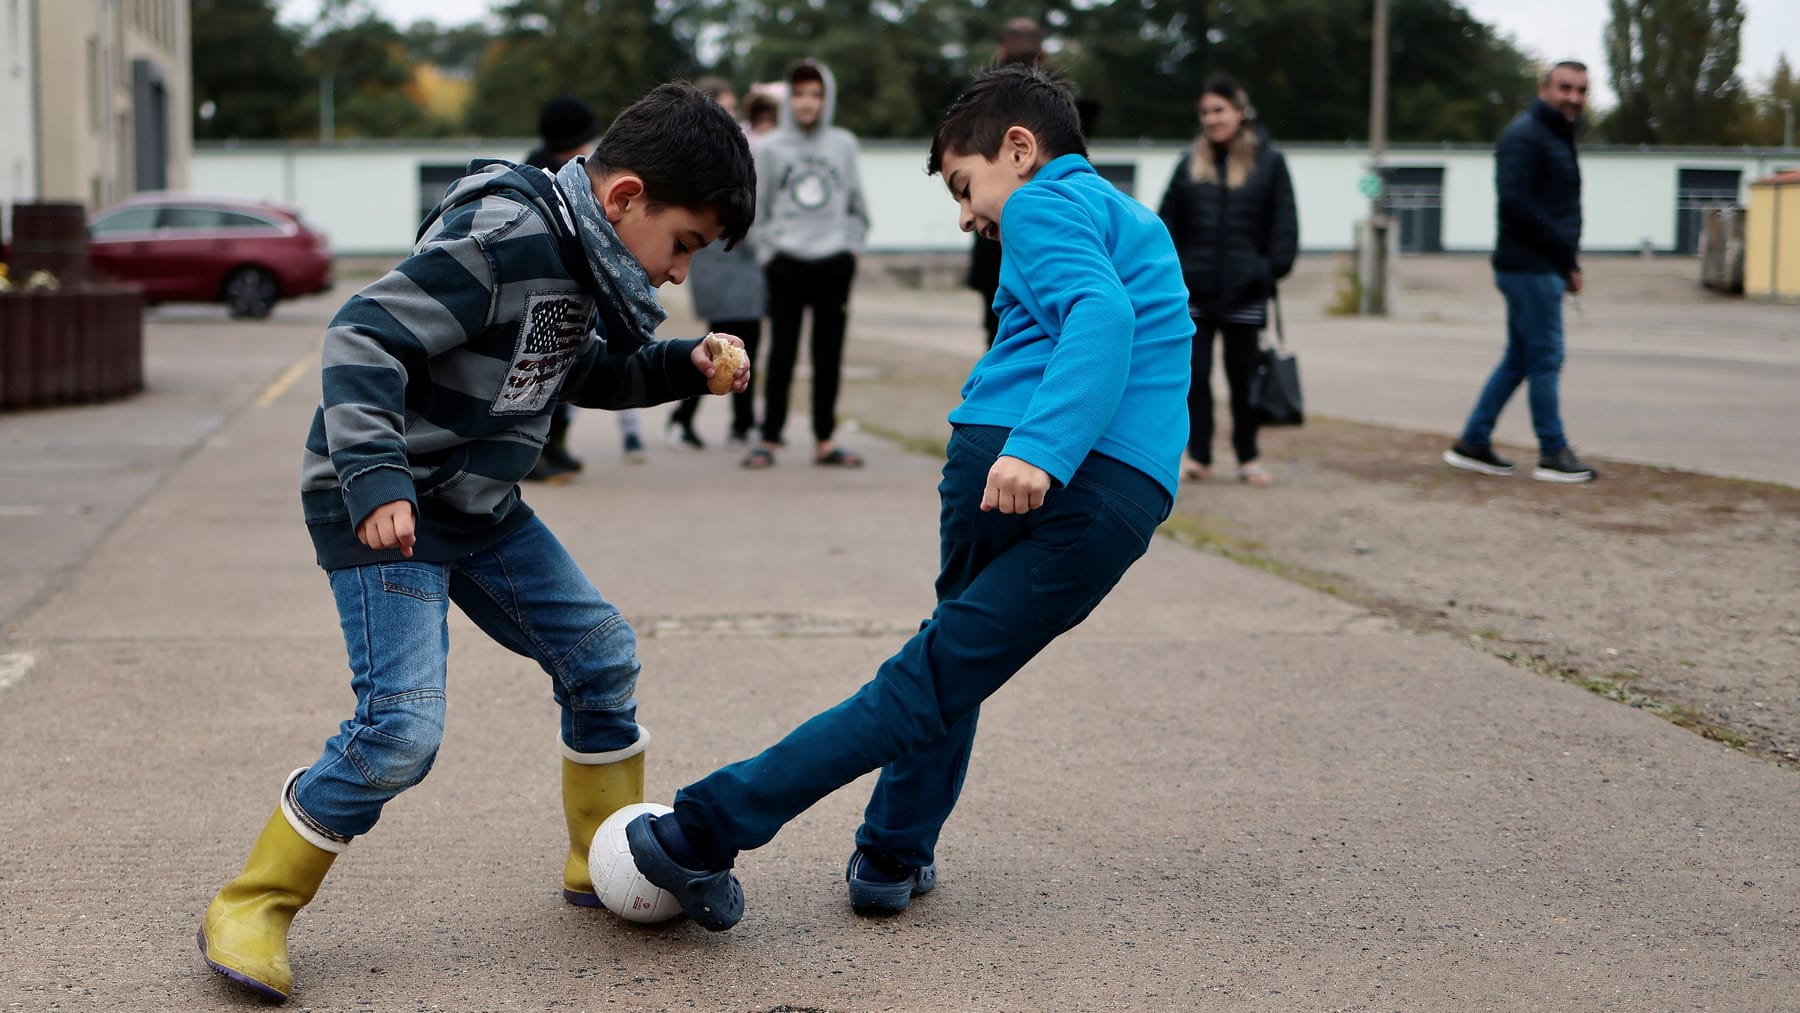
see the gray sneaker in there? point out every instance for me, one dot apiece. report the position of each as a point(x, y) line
point(1563, 466)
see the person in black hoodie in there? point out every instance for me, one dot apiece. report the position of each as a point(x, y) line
point(1539, 185)
point(1230, 209)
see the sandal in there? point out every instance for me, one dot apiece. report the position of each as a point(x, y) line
point(1194, 471)
point(758, 458)
point(838, 458)
point(1254, 474)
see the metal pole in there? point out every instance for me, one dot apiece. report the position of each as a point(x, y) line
point(327, 126)
point(1375, 233)
point(1787, 132)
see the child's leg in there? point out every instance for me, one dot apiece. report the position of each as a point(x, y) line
point(392, 615)
point(529, 595)
point(1072, 551)
point(787, 305)
point(743, 403)
point(915, 793)
point(831, 307)
point(393, 618)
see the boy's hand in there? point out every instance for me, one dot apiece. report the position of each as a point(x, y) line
point(713, 353)
point(388, 526)
point(1014, 487)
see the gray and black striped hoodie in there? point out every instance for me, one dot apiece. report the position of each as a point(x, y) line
point(439, 379)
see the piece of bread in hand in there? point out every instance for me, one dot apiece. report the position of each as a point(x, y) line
point(727, 359)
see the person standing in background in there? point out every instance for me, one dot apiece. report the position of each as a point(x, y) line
point(1230, 209)
point(1021, 41)
point(811, 218)
point(1539, 185)
point(566, 127)
point(728, 293)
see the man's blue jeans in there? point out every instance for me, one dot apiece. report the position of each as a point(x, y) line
point(1534, 356)
point(1009, 584)
point(526, 593)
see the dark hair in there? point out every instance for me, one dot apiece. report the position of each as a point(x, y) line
point(759, 105)
point(690, 153)
point(565, 123)
point(1226, 87)
point(1562, 65)
point(805, 70)
point(713, 87)
point(1005, 96)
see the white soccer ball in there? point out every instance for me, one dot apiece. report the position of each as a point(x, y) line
point(617, 881)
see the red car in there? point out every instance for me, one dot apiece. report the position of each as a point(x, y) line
point(192, 248)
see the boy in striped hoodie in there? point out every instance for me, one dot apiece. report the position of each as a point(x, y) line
point(439, 383)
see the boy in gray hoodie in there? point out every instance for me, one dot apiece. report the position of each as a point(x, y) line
point(812, 217)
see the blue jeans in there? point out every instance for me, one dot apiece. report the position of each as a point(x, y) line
point(526, 593)
point(1009, 584)
point(1534, 355)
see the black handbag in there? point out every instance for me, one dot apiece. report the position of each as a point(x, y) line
point(1275, 387)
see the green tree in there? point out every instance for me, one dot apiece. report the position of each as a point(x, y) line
point(605, 53)
point(1674, 68)
point(247, 70)
point(363, 56)
point(1768, 115)
point(1305, 64)
point(454, 49)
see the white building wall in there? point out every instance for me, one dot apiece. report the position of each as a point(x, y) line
point(18, 114)
point(367, 197)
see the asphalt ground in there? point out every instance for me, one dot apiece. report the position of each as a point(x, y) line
point(1225, 790)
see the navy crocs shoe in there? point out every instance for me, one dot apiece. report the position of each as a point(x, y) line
point(715, 900)
point(874, 892)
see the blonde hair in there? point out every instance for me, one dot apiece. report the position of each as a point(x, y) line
point(1240, 152)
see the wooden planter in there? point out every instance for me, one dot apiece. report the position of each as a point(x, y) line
point(71, 346)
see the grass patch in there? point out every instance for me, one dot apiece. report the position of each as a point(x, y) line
point(1199, 532)
point(1347, 296)
point(929, 446)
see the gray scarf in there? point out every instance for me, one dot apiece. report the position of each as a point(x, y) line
point(623, 281)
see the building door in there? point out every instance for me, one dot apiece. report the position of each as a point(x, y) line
point(434, 182)
point(1698, 191)
point(150, 118)
point(1414, 197)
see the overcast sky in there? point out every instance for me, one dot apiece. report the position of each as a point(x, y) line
point(1548, 29)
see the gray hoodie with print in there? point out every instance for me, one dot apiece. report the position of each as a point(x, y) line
point(809, 195)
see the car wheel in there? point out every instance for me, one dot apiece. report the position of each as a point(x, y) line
point(251, 292)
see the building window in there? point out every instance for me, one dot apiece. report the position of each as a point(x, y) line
point(94, 84)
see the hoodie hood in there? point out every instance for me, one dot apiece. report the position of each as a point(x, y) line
point(525, 184)
point(826, 114)
point(809, 199)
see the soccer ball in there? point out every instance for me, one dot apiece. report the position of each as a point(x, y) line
point(617, 881)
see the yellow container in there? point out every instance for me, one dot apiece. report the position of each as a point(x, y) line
point(1772, 238)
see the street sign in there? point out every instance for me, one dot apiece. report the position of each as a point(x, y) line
point(1369, 185)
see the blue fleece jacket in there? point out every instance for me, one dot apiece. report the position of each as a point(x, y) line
point(1092, 354)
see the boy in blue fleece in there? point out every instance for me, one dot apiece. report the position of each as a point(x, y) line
point(1061, 465)
point(439, 385)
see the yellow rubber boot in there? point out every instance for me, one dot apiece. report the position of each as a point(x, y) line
point(245, 933)
point(594, 786)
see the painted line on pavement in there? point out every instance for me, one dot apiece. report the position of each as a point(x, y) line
point(14, 666)
point(285, 380)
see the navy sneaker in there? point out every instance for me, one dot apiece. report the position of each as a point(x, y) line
point(878, 891)
point(1477, 459)
point(714, 900)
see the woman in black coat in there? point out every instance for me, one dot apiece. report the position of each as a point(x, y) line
point(1230, 210)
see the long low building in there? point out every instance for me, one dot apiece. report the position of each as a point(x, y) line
point(370, 197)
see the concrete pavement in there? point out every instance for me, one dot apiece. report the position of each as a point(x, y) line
point(1223, 791)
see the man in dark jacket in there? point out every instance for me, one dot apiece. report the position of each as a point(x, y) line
point(1539, 186)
